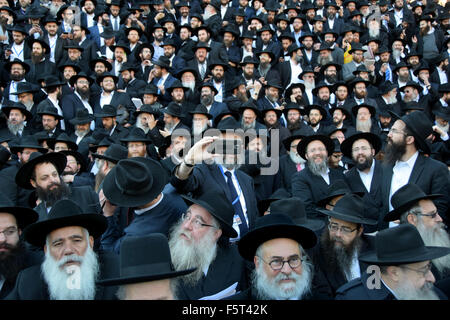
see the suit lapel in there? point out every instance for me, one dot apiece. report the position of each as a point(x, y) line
point(417, 169)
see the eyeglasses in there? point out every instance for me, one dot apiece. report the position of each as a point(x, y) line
point(9, 232)
point(424, 270)
point(317, 149)
point(197, 223)
point(278, 264)
point(393, 130)
point(432, 215)
point(333, 227)
point(361, 148)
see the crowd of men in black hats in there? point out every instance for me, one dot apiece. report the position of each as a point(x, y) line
point(224, 149)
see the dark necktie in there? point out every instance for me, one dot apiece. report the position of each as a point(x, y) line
point(237, 205)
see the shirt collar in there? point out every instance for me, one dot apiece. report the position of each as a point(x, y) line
point(141, 211)
point(410, 162)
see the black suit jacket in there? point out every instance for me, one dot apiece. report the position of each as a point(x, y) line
point(311, 188)
point(69, 105)
point(287, 170)
point(119, 98)
point(59, 48)
point(430, 175)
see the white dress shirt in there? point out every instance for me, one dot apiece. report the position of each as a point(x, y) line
point(17, 51)
point(56, 105)
point(401, 173)
point(366, 178)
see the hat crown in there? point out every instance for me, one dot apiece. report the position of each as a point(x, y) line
point(419, 123)
point(82, 113)
point(273, 219)
point(293, 207)
point(405, 194)
point(64, 208)
point(109, 109)
point(351, 205)
point(228, 123)
point(133, 177)
point(116, 151)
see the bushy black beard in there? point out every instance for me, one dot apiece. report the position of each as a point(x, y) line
point(294, 126)
point(365, 165)
point(394, 152)
point(13, 262)
point(339, 259)
point(50, 197)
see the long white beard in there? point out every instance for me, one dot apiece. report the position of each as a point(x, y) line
point(445, 128)
point(407, 291)
point(363, 125)
point(391, 99)
point(436, 237)
point(139, 125)
point(65, 284)
point(187, 255)
point(396, 54)
point(374, 33)
point(15, 128)
point(198, 128)
point(296, 158)
point(309, 85)
point(28, 105)
point(318, 169)
point(190, 85)
point(270, 289)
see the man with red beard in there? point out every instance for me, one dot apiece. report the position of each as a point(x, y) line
point(336, 257)
point(13, 255)
point(413, 206)
point(201, 240)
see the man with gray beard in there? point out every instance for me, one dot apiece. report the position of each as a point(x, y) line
point(413, 206)
point(282, 268)
point(401, 263)
point(201, 240)
point(17, 116)
point(71, 267)
point(336, 258)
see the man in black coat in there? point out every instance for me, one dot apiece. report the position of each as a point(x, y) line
point(311, 184)
point(67, 238)
point(130, 84)
point(38, 62)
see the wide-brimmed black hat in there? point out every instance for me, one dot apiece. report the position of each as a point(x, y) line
point(5, 155)
point(41, 42)
point(25, 172)
point(135, 182)
point(176, 84)
point(99, 139)
point(301, 133)
point(25, 87)
point(371, 109)
point(360, 68)
point(337, 188)
point(321, 109)
point(24, 216)
point(356, 46)
point(385, 87)
point(69, 63)
point(325, 66)
point(136, 135)
point(108, 33)
point(249, 104)
point(217, 62)
point(104, 75)
point(174, 109)
point(343, 109)
point(201, 109)
point(82, 116)
point(92, 63)
point(280, 193)
point(401, 245)
point(270, 53)
point(349, 208)
point(444, 88)
point(321, 84)
point(18, 28)
point(129, 66)
point(63, 137)
point(301, 147)
point(74, 45)
point(347, 144)
point(18, 106)
point(442, 112)
point(274, 226)
point(50, 110)
point(52, 81)
point(28, 141)
point(422, 66)
point(65, 213)
point(114, 153)
point(137, 266)
point(209, 84)
point(401, 64)
point(359, 80)
point(74, 78)
point(412, 106)
point(123, 45)
point(295, 208)
point(147, 108)
point(108, 110)
point(163, 62)
point(293, 105)
point(404, 198)
point(78, 156)
point(137, 29)
point(228, 123)
point(218, 205)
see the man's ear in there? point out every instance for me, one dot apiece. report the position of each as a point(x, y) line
point(256, 261)
point(412, 219)
point(33, 183)
point(91, 241)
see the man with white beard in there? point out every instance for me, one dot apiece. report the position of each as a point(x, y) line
point(413, 206)
point(71, 267)
point(201, 240)
point(398, 49)
point(17, 117)
point(282, 268)
point(364, 114)
point(200, 120)
point(402, 265)
point(308, 77)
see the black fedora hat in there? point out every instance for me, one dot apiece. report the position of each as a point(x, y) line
point(347, 144)
point(27, 142)
point(18, 28)
point(270, 53)
point(301, 133)
point(209, 84)
point(249, 104)
point(163, 62)
point(385, 87)
point(343, 109)
point(123, 45)
point(217, 62)
point(63, 137)
point(99, 139)
point(50, 110)
point(188, 69)
point(412, 106)
point(68, 63)
point(24, 216)
point(201, 109)
point(371, 109)
point(280, 193)
point(64, 213)
point(135, 182)
point(324, 46)
point(82, 116)
point(422, 66)
point(92, 63)
point(404, 198)
point(321, 109)
point(325, 66)
point(25, 172)
point(349, 208)
point(18, 106)
point(82, 74)
point(136, 135)
point(360, 68)
point(301, 147)
point(274, 226)
point(322, 84)
point(337, 188)
point(420, 126)
point(114, 153)
point(401, 64)
point(129, 66)
point(52, 81)
point(356, 46)
point(201, 44)
point(104, 75)
point(228, 123)
point(150, 89)
point(174, 110)
point(176, 84)
point(401, 245)
point(78, 157)
point(137, 29)
point(137, 266)
point(25, 87)
point(108, 110)
point(5, 155)
point(108, 33)
point(73, 45)
point(147, 108)
point(41, 42)
point(295, 208)
point(218, 205)
point(442, 112)
point(445, 87)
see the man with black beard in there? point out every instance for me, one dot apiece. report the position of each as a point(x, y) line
point(413, 206)
point(311, 184)
point(71, 266)
point(51, 166)
point(201, 240)
point(366, 175)
point(39, 64)
point(277, 246)
point(429, 40)
point(330, 73)
point(17, 70)
point(405, 164)
point(14, 257)
point(336, 257)
point(207, 94)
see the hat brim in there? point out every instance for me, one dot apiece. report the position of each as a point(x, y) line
point(340, 192)
point(36, 233)
point(250, 242)
point(397, 212)
point(17, 148)
point(24, 216)
point(313, 224)
point(101, 156)
point(24, 174)
point(374, 140)
point(227, 229)
point(76, 121)
point(346, 217)
point(113, 194)
point(301, 147)
point(402, 258)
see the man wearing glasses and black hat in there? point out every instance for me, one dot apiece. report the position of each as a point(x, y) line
point(402, 265)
